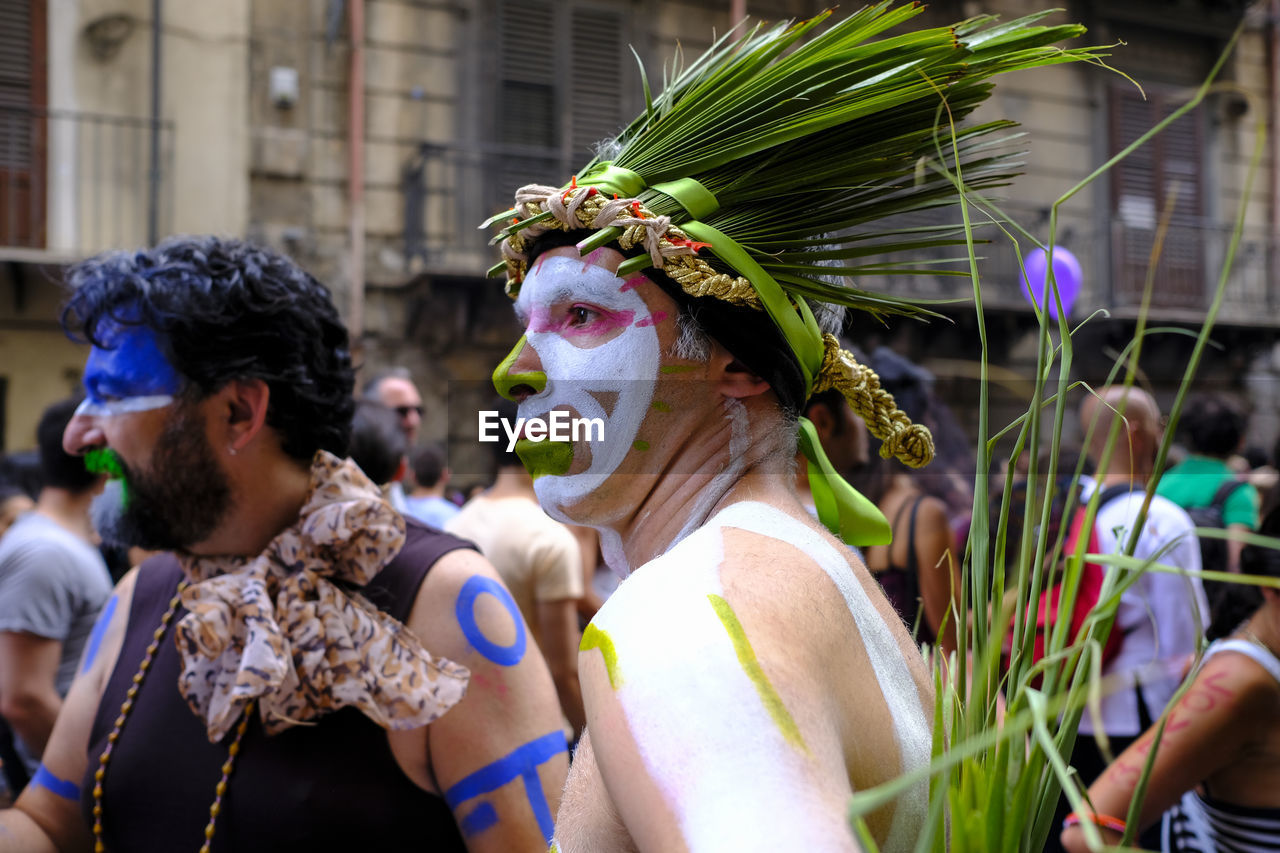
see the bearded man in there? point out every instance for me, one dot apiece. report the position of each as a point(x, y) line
point(748, 675)
point(320, 645)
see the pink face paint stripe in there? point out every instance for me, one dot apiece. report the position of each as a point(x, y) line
point(537, 265)
point(633, 282)
point(604, 324)
point(590, 259)
point(653, 319)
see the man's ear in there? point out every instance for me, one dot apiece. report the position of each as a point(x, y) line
point(820, 416)
point(246, 408)
point(732, 378)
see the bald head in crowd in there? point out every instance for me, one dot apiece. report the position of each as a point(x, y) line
point(395, 389)
point(1135, 449)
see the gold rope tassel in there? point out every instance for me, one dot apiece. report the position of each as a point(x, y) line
point(910, 443)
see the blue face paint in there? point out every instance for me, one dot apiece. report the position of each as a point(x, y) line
point(476, 586)
point(523, 762)
point(480, 819)
point(132, 375)
point(99, 631)
point(67, 790)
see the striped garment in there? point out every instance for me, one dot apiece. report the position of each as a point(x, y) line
point(1199, 824)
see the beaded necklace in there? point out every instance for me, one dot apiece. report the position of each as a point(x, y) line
point(127, 706)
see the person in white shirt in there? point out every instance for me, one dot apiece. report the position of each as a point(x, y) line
point(1162, 616)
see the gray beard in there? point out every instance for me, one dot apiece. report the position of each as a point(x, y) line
point(107, 512)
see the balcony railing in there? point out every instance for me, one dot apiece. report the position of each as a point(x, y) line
point(73, 183)
point(449, 190)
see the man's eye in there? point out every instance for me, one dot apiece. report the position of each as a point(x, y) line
point(580, 315)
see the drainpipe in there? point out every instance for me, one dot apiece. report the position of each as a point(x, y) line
point(355, 177)
point(153, 176)
point(1273, 86)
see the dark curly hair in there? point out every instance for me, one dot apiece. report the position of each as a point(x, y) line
point(225, 310)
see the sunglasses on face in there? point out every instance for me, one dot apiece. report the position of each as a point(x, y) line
point(403, 411)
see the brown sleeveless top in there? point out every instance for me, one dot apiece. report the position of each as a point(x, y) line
point(334, 786)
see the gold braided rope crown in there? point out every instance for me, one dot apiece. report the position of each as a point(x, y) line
point(671, 251)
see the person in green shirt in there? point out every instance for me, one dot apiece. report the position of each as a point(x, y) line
point(1214, 427)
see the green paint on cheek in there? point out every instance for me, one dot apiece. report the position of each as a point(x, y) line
point(677, 368)
point(541, 458)
point(659, 406)
point(640, 444)
point(104, 460)
point(747, 657)
point(594, 638)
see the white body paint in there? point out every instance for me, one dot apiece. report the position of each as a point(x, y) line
point(741, 764)
point(626, 366)
point(124, 405)
point(739, 437)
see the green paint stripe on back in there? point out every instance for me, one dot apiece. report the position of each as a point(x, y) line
point(747, 657)
point(594, 638)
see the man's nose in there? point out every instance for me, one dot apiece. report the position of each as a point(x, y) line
point(520, 373)
point(83, 433)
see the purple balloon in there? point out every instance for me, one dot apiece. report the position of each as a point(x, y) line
point(1066, 273)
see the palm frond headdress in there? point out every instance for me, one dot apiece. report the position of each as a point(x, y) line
point(738, 180)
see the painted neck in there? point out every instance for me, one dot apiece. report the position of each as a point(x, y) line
point(736, 458)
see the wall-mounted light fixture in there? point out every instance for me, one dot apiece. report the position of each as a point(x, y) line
point(283, 86)
point(107, 33)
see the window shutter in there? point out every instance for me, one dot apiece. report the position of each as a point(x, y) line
point(1142, 185)
point(597, 54)
point(22, 122)
point(15, 84)
point(528, 109)
point(15, 53)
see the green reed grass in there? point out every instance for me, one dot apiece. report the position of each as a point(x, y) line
point(995, 782)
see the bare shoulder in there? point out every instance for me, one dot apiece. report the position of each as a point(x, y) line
point(103, 649)
point(434, 615)
point(743, 634)
point(1237, 686)
point(499, 757)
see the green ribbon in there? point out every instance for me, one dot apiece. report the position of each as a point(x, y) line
point(697, 201)
point(842, 509)
point(793, 318)
point(607, 177)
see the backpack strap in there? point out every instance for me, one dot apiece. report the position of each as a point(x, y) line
point(1224, 493)
point(1110, 493)
point(911, 539)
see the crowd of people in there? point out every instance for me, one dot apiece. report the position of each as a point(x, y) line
point(243, 607)
point(144, 466)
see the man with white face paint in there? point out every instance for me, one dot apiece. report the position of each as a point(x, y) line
point(748, 675)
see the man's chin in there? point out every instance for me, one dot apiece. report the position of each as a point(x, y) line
point(117, 525)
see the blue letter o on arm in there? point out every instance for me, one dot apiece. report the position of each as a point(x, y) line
point(479, 585)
